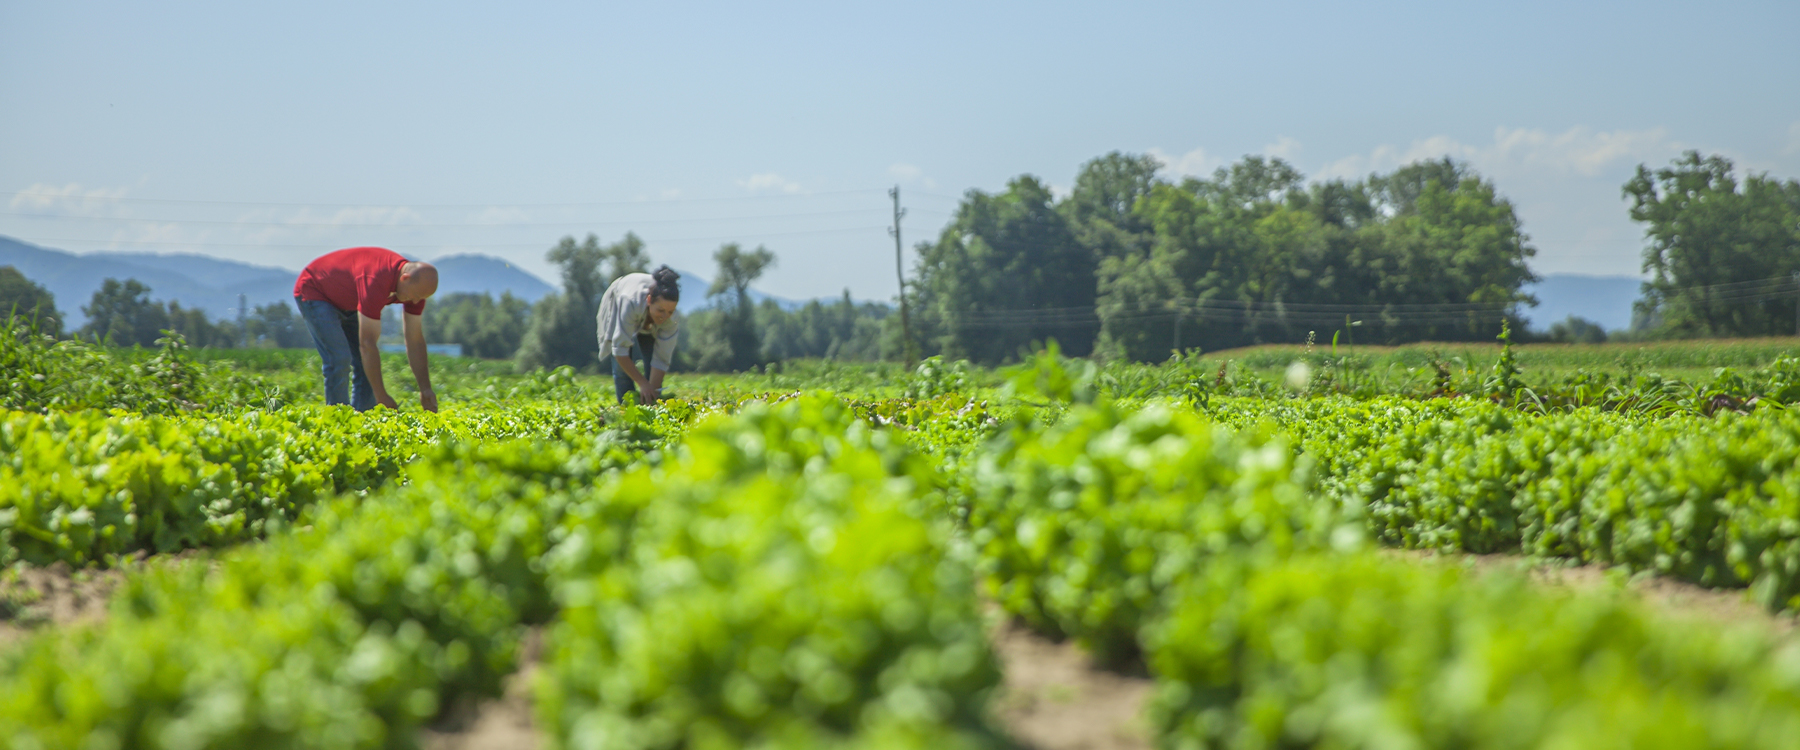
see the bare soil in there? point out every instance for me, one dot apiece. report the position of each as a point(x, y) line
point(1054, 697)
point(1666, 597)
point(505, 723)
point(55, 596)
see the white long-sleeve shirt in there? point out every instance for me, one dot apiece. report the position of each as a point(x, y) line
point(625, 313)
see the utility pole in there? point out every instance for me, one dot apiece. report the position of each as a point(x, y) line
point(906, 340)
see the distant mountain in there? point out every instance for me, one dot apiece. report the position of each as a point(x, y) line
point(204, 270)
point(213, 284)
point(1602, 299)
point(73, 279)
point(483, 273)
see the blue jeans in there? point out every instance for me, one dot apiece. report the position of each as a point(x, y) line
point(640, 352)
point(337, 334)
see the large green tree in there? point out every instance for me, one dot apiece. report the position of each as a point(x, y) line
point(1717, 249)
point(626, 256)
point(1218, 252)
point(1006, 273)
point(730, 290)
point(1452, 253)
point(25, 298)
point(1100, 208)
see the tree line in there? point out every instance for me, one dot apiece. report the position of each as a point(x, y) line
point(727, 332)
point(122, 313)
point(1130, 264)
point(1723, 254)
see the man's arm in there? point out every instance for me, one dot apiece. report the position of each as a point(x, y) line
point(414, 328)
point(369, 333)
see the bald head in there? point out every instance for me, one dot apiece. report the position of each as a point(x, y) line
point(418, 280)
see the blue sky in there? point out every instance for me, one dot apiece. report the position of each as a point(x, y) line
point(273, 133)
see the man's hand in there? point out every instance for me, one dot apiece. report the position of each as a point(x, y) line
point(428, 399)
point(387, 401)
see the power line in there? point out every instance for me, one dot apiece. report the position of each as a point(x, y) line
point(185, 201)
point(316, 245)
point(1781, 287)
point(424, 225)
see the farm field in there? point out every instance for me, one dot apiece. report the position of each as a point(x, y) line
point(820, 555)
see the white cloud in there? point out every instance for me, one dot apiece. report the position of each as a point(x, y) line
point(1577, 151)
point(1195, 163)
point(51, 200)
point(1283, 148)
point(768, 182)
point(908, 173)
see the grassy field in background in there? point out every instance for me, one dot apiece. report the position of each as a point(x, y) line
point(1396, 368)
point(1681, 359)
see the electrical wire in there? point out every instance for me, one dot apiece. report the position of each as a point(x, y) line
point(427, 225)
point(588, 204)
point(477, 246)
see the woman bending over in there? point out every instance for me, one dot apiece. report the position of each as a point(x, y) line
point(637, 324)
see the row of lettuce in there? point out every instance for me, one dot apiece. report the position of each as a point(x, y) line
point(796, 575)
point(1268, 620)
point(89, 487)
point(783, 579)
point(1711, 501)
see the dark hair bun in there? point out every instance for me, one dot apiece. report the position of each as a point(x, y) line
point(667, 284)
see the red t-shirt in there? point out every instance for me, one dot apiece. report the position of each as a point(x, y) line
point(358, 278)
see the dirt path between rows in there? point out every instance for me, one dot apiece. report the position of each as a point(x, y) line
point(506, 723)
point(56, 595)
point(1664, 596)
point(1052, 697)
point(59, 596)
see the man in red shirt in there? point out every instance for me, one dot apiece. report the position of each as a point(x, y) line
point(341, 296)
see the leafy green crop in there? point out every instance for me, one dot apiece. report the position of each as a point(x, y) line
point(85, 487)
point(782, 581)
point(795, 533)
point(40, 373)
point(1361, 651)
